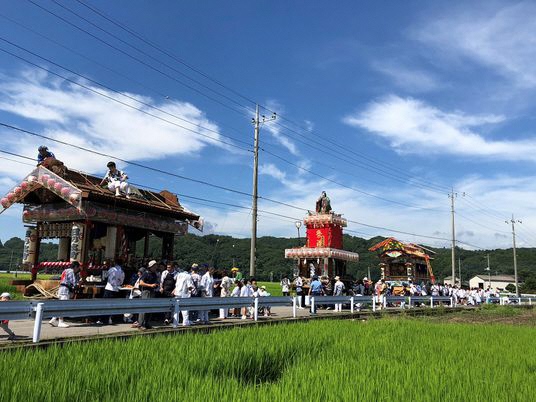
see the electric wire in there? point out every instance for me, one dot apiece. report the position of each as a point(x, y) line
point(217, 186)
point(122, 94)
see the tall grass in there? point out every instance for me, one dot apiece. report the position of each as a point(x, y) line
point(328, 360)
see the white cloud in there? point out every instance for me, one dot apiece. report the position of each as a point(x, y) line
point(412, 126)
point(276, 130)
point(501, 38)
point(76, 116)
point(409, 79)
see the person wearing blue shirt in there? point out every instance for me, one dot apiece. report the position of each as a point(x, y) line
point(43, 154)
point(315, 290)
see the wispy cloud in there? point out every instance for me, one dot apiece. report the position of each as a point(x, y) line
point(76, 116)
point(501, 38)
point(276, 130)
point(410, 79)
point(411, 126)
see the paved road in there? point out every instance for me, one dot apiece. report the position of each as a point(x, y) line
point(24, 328)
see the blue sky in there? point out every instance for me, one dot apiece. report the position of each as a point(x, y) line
point(389, 104)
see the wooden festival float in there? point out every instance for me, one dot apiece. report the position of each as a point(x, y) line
point(323, 254)
point(404, 262)
point(91, 224)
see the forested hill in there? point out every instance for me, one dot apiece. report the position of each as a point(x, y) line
point(220, 251)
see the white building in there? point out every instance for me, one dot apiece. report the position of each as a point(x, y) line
point(496, 281)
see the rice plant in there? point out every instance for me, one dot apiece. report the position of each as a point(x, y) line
point(398, 359)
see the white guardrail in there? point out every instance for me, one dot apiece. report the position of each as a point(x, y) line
point(40, 310)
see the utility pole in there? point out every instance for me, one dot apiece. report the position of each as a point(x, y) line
point(453, 252)
point(253, 251)
point(11, 262)
point(460, 270)
point(513, 222)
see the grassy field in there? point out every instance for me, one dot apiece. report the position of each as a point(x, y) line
point(388, 359)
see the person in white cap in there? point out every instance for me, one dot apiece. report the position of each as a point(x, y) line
point(4, 324)
point(69, 280)
point(225, 287)
point(338, 289)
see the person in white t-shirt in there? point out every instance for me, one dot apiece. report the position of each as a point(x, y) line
point(206, 286)
point(183, 290)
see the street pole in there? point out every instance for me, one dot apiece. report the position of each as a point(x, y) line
point(453, 252)
point(298, 226)
point(489, 274)
point(233, 258)
point(460, 270)
point(513, 221)
point(11, 262)
point(253, 251)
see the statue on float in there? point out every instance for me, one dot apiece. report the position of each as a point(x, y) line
point(323, 204)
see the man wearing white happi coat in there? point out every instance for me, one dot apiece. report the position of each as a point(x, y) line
point(69, 280)
point(183, 288)
point(207, 290)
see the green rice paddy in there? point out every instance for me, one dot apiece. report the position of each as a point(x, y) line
point(387, 359)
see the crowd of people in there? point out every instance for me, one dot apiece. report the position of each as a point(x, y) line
point(166, 279)
point(323, 286)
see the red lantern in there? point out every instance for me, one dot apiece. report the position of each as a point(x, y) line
point(51, 183)
point(31, 179)
point(44, 178)
point(65, 191)
point(17, 190)
point(24, 185)
point(58, 187)
point(11, 197)
point(5, 202)
point(73, 197)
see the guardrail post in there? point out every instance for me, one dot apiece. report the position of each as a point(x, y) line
point(519, 300)
point(352, 304)
point(176, 312)
point(530, 301)
point(452, 302)
point(38, 321)
point(409, 302)
point(256, 307)
point(373, 303)
point(313, 310)
point(294, 304)
point(431, 301)
point(384, 306)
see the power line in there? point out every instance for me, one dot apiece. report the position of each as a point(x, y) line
point(209, 184)
point(165, 112)
point(122, 94)
point(170, 55)
point(390, 174)
point(84, 56)
point(146, 54)
point(346, 186)
point(136, 58)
